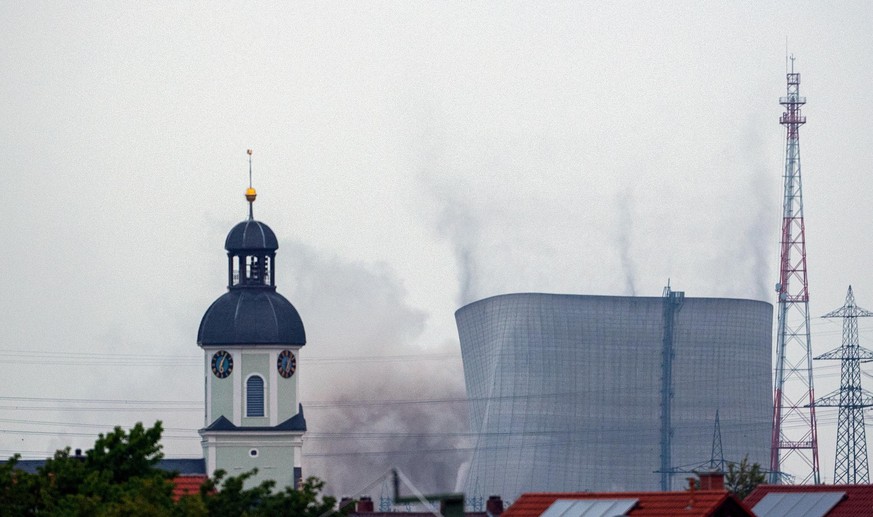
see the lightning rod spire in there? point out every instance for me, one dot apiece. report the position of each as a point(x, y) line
point(251, 194)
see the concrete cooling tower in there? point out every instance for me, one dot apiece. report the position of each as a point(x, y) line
point(572, 392)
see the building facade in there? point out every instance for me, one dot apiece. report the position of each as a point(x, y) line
point(566, 391)
point(251, 338)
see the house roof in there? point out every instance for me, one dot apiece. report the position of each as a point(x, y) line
point(408, 514)
point(190, 473)
point(700, 503)
point(182, 466)
point(187, 485)
point(857, 502)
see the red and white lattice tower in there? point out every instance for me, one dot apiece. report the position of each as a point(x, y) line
point(794, 443)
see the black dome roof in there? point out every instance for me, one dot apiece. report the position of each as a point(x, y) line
point(251, 317)
point(251, 235)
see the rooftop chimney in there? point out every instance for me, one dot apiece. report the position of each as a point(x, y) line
point(365, 505)
point(494, 506)
point(691, 485)
point(712, 481)
point(347, 502)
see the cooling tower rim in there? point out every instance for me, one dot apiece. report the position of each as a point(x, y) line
point(491, 299)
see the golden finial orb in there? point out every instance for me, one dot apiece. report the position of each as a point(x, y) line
point(251, 194)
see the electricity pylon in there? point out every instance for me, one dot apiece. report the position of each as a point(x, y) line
point(850, 464)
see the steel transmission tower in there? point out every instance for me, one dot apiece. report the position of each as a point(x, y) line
point(794, 427)
point(716, 462)
point(716, 459)
point(850, 465)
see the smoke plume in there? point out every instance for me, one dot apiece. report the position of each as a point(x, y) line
point(624, 227)
point(752, 226)
point(459, 226)
point(762, 232)
point(373, 399)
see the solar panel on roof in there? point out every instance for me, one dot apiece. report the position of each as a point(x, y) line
point(797, 504)
point(590, 507)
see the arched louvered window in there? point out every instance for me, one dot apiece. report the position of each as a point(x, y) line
point(255, 396)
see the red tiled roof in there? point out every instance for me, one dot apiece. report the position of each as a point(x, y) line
point(409, 514)
point(708, 503)
point(187, 485)
point(857, 503)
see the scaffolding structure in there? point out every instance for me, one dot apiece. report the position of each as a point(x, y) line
point(794, 435)
point(672, 304)
point(850, 465)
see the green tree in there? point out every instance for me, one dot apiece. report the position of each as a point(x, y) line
point(127, 455)
point(742, 478)
point(17, 494)
point(118, 472)
point(119, 477)
point(227, 497)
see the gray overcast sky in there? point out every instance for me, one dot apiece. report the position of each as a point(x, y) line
point(411, 157)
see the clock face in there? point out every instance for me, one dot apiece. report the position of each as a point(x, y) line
point(286, 364)
point(222, 364)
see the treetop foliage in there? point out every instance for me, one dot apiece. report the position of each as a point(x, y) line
point(119, 477)
point(742, 478)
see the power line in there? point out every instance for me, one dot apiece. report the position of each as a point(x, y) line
point(575, 436)
point(120, 409)
point(78, 433)
point(73, 424)
point(122, 359)
point(101, 401)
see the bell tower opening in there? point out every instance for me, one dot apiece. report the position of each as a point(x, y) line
point(252, 269)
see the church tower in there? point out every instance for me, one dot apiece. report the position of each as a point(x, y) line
point(251, 337)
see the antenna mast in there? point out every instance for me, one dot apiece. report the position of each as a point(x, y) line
point(794, 428)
